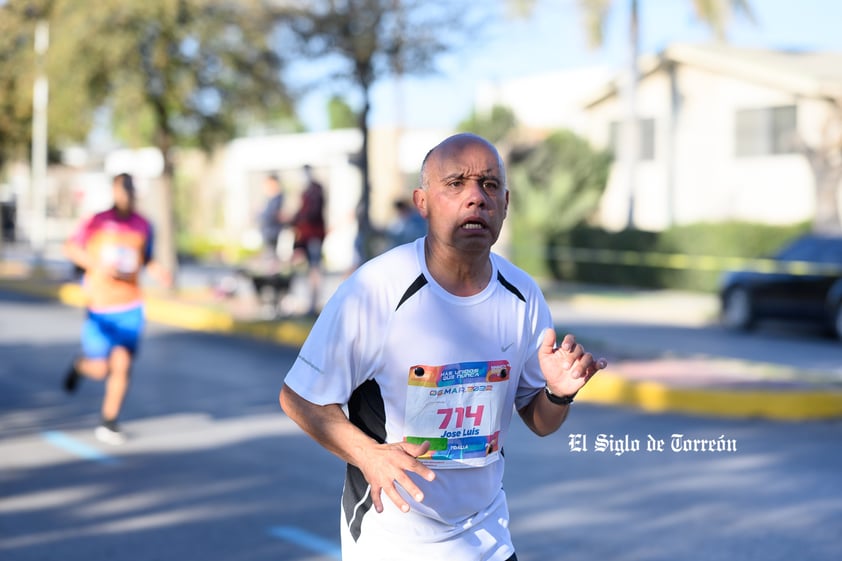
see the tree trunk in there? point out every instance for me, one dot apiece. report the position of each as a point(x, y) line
point(364, 224)
point(165, 228)
point(165, 250)
point(631, 132)
point(826, 219)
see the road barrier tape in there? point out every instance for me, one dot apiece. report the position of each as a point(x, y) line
point(681, 261)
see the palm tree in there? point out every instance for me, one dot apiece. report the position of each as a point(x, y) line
point(824, 155)
point(716, 14)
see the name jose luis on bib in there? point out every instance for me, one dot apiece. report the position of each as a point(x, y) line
point(457, 408)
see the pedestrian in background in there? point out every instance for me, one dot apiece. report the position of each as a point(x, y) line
point(272, 223)
point(309, 226)
point(409, 225)
point(112, 247)
point(430, 348)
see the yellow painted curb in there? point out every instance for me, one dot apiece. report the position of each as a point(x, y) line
point(31, 288)
point(786, 405)
point(196, 318)
point(71, 294)
point(177, 314)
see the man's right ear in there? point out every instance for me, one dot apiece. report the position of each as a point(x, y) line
point(419, 199)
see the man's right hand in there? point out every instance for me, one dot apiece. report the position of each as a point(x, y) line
point(387, 464)
point(382, 465)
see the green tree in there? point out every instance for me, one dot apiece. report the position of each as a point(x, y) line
point(340, 114)
point(556, 185)
point(368, 40)
point(18, 20)
point(17, 64)
point(173, 73)
point(496, 125)
point(192, 70)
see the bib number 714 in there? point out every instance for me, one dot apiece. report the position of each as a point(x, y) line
point(462, 415)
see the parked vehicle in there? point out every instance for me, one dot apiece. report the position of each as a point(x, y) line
point(8, 219)
point(804, 283)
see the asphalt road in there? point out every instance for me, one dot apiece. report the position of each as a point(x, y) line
point(214, 471)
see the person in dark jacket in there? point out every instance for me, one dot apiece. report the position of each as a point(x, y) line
point(309, 226)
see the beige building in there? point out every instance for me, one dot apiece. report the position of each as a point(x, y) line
point(721, 135)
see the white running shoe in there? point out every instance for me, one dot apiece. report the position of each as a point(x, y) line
point(109, 433)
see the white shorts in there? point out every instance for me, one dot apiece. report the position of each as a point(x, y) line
point(483, 537)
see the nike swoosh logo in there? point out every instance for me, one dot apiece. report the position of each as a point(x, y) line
point(505, 348)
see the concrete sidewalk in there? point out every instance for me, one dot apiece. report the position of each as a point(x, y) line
point(684, 384)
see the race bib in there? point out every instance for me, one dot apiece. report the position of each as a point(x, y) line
point(124, 259)
point(457, 408)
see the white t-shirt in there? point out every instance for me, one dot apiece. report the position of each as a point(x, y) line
point(413, 363)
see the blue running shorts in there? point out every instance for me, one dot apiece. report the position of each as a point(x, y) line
point(102, 331)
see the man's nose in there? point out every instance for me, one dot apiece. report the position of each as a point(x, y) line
point(476, 194)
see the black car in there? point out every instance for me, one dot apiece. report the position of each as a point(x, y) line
point(803, 283)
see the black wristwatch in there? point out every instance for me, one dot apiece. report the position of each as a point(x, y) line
point(559, 399)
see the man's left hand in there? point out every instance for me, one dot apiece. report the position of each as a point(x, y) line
point(567, 367)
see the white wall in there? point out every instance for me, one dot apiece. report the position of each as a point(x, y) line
point(712, 182)
point(246, 160)
point(328, 153)
point(706, 181)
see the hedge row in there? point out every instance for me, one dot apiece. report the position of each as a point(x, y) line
point(729, 239)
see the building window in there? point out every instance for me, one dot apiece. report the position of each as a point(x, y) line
point(766, 131)
point(646, 141)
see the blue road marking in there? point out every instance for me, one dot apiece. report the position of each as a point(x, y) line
point(77, 448)
point(306, 540)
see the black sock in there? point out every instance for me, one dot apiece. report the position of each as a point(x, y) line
point(71, 378)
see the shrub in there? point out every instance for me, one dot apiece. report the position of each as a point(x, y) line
point(687, 257)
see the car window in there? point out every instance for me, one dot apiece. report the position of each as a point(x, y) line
point(813, 249)
point(802, 249)
point(831, 251)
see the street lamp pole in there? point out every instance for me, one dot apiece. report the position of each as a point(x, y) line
point(38, 173)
